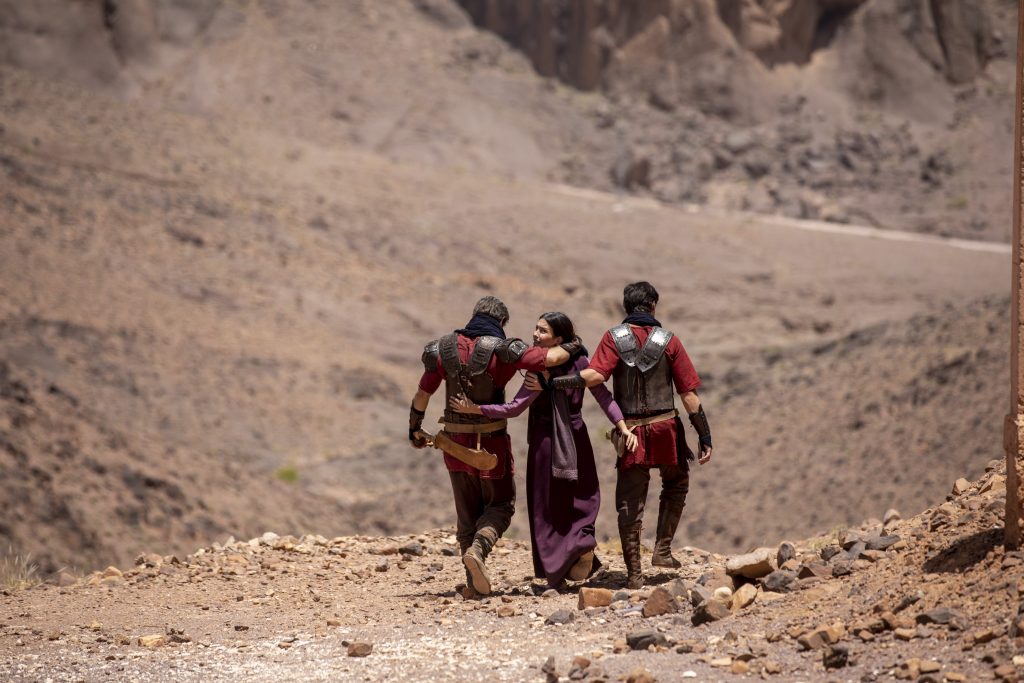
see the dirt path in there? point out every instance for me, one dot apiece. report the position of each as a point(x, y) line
point(279, 608)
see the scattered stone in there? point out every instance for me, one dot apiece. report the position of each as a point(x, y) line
point(942, 615)
point(641, 640)
point(709, 611)
point(549, 593)
point(620, 645)
point(716, 579)
point(955, 677)
point(1006, 672)
point(744, 596)
point(739, 667)
point(871, 555)
point(960, 486)
point(882, 542)
point(506, 611)
point(699, 594)
point(360, 649)
point(721, 662)
point(927, 666)
point(905, 633)
point(891, 515)
point(751, 565)
point(562, 616)
point(723, 593)
point(771, 667)
point(412, 548)
point(821, 636)
point(836, 657)
point(620, 596)
point(830, 551)
point(779, 581)
point(984, 635)
point(334, 622)
point(549, 669)
point(381, 566)
point(594, 597)
point(640, 675)
point(786, 552)
point(153, 641)
point(678, 588)
point(842, 568)
point(821, 571)
point(660, 602)
point(241, 627)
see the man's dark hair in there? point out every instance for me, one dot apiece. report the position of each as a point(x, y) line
point(639, 297)
point(493, 307)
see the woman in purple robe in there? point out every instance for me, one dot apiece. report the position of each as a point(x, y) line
point(562, 491)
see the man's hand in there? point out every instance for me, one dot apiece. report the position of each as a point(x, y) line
point(415, 422)
point(700, 423)
point(534, 382)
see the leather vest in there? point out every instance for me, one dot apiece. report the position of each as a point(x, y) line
point(642, 381)
point(469, 379)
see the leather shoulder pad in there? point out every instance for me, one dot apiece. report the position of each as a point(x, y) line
point(430, 356)
point(511, 350)
point(482, 352)
point(653, 349)
point(625, 344)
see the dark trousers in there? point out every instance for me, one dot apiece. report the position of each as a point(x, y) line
point(631, 490)
point(481, 503)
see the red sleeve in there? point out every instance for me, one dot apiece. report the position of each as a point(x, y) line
point(532, 360)
point(606, 357)
point(683, 373)
point(432, 379)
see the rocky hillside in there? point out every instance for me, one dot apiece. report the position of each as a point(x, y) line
point(210, 326)
point(933, 597)
point(895, 114)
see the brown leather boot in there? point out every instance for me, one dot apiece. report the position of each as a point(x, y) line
point(669, 514)
point(630, 538)
point(582, 567)
point(475, 557)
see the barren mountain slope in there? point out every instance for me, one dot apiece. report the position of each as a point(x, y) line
point(896, 114)
point(254, 299)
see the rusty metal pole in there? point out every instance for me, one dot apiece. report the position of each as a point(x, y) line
point(1013, 431)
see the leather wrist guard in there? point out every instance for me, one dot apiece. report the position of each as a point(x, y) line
point(568, 382)
point(572, 347)
point(545, 385)
point(700, 422)
point(415, 421)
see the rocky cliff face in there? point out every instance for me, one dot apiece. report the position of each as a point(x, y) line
point(714, 52)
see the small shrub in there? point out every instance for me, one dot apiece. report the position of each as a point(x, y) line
point(18, 571)
point(289, 474)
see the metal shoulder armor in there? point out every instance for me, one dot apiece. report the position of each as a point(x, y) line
point(511, 350)
point(430, 356)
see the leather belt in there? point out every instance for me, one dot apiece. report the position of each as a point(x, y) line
point(456, 428)
point(660, 417)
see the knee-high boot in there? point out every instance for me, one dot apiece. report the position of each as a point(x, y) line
point(630, 538)
point(669, 513)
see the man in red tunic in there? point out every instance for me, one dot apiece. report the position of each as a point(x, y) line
point(477, 362)
point(649, 366)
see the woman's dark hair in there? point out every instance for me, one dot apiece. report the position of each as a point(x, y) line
point(561, 325)
point(639, 297)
